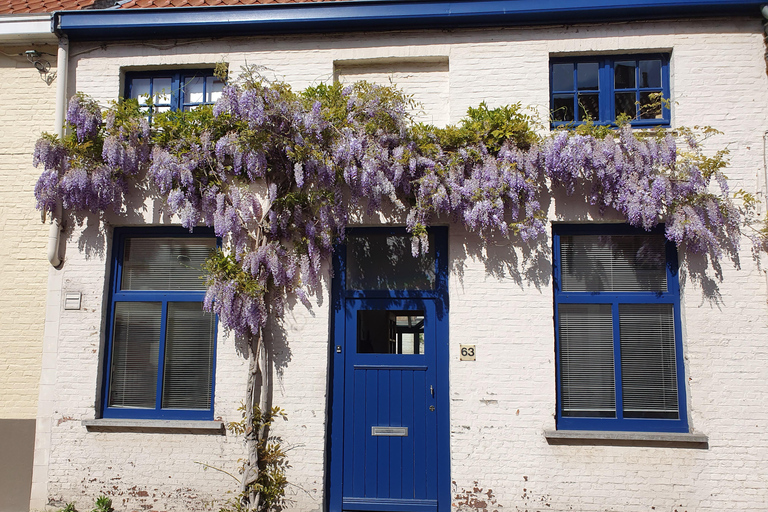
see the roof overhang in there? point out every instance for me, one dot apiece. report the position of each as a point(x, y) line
point(362, 15)
point(26, 28)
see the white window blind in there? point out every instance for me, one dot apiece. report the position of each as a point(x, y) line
point(586, 360)
point(188, 369)
point(617, 263)
point(165, 263)
point(648, 368)
point(135, 349)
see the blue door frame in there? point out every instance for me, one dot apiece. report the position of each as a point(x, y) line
point(388, 439)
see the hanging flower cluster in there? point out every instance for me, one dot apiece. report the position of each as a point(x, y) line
point(88, 169)
point(277, 173)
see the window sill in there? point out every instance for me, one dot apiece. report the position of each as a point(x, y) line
point(657, 439)
point(155, 426)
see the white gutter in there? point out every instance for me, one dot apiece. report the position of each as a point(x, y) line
point(26, 28)
point(54, 233)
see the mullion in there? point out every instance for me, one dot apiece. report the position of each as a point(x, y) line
point(618, 385)
point(161, 356)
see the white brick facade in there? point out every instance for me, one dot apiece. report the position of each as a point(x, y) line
point(502, 403)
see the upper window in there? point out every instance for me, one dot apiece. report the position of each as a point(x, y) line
point(602, 89)
point(617, 316)
point(160, 353)
point(174, 90)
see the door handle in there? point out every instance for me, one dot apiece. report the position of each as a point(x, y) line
point(432, 391)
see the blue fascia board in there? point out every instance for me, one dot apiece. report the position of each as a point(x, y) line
point(356, 16)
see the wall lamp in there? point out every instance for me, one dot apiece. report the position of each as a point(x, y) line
point(42, 65)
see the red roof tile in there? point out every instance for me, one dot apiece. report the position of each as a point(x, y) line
point(133, 4)
point(38, 6)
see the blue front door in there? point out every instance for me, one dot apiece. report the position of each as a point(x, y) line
point(389, 432)
point(390, 425)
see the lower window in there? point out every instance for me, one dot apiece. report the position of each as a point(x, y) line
point(161, 345)
point(617, 316)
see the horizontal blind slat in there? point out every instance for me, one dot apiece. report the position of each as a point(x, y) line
point(615, 263)
point(586, 359)
point(648, 360)
point(135, 349)
point(165, 263)
point(188, 370)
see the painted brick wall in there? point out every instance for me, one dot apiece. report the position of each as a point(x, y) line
point(502, 403)
point(28, 105)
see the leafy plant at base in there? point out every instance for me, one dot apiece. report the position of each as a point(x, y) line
point(271, 483)
point(103, 504)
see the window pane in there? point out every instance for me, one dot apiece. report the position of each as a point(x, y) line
point(161, 88)
point(188, 369)
point(618, 263)
point(650, 73)
point(135, 348)
point(140, 90)
point(562, 77)
point(589, 107)
point(624, 74)
point(586, 360)
point(562, 107)
point(648, 364)
point(193, 89)
point(587, 73)
point(625, 104)
point(390, 332)
point(385, 262)
point(165, 263)
point(214, 87)
point(650, 105)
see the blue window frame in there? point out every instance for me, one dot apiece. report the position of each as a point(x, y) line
point(602, 88)
point(174, 90)
point(160, 360)
point(617, 330)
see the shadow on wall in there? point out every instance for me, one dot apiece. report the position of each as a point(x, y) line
point(17, 444)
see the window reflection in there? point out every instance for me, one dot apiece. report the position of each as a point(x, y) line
point(385, 262)
point(390, 332)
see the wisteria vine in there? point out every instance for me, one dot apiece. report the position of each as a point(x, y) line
point(278, 175)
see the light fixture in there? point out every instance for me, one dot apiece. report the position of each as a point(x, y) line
point(42, 65)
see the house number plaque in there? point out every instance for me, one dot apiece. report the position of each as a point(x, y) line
point(467, 352)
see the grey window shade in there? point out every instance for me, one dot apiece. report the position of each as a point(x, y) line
point(648, 363)
point(165, 263)
point(135, 349)
point(188, 369)
point(617, 263)
point(586, 360)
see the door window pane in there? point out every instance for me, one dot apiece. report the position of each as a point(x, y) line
point(390, 332)
point(385, 262)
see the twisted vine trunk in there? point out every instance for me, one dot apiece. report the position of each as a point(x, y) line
point(255, 404)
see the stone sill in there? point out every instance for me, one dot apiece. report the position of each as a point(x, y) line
point(155, 426)
point(659, 439)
